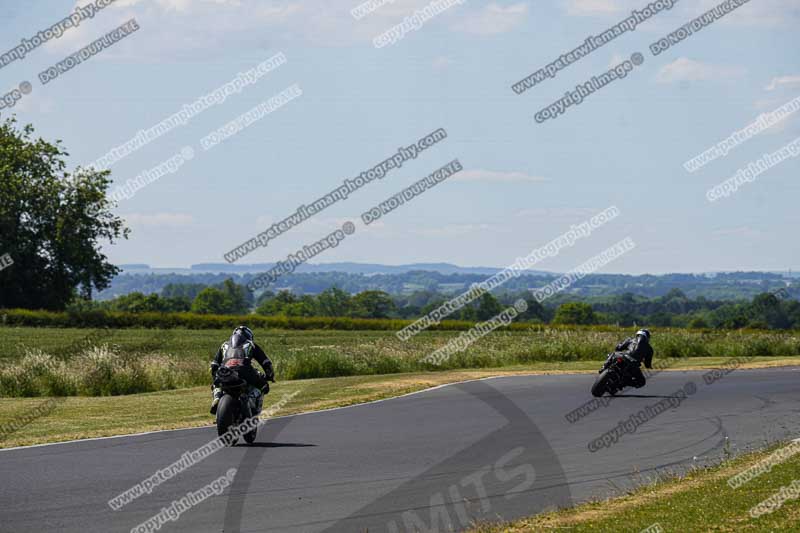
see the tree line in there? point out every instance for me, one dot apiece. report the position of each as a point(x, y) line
point(674, 309)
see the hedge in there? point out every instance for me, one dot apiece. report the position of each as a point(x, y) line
point(122, 320)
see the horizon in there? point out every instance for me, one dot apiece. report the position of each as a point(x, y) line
point(444, 263)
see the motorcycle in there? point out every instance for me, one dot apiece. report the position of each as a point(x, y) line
point(614, 375)
point(239, 402)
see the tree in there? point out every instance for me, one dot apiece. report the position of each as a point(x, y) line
point(264, 296)
point(767, 309)
point(137, 302)
point(53, 224)
point(729, 316)
point(275, 304)
point(186, 290)
point(535, 312)
point(698, 322)
point(211, 301)
point(334, 302)
point(662, 319)
point(239, 298)
point(574, 313)
point(488, 307)
point(305, 306)
point(228, 299)
point(373, 304)
point(287, 304)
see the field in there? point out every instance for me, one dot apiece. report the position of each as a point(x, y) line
point(100, 362)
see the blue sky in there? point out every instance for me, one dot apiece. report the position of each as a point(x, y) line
point(524, 183)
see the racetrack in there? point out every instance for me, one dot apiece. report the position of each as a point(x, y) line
point(435, 460)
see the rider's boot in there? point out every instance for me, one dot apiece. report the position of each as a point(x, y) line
point(216, 395)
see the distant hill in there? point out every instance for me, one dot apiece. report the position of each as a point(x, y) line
point(347, 268)
point(448, 279)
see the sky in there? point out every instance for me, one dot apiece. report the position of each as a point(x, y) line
point(523, 183)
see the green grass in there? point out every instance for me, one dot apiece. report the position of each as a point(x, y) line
point(699, 501)
point(84, 417)
point(50, 361)
point(87, 416)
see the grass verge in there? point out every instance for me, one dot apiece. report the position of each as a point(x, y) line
point(698, 501)
point(83, 417)
point(42, 362)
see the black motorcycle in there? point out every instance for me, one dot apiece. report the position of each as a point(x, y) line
point(236, 405)
point(614, 375)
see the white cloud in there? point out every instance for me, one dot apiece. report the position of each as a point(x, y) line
point(160, 220)
point(497, 177)
point(493, 19)
point(783, 81)
point(770, 105)
point(589, 8)
point(685, 69)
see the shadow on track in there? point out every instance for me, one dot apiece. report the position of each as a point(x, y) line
point(275, 445)
point(511, 472)
point(643, 396)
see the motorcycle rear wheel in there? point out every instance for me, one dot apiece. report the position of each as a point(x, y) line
point(250, 436)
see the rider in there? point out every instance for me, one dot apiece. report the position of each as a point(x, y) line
point(238, 352)
point(637, 349)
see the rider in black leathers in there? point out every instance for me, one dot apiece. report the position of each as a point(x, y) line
point(637, 349)
point(238, 352)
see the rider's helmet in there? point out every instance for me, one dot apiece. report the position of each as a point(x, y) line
point(240, 336)
point(644, 333)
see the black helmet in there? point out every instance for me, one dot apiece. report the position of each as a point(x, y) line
point(240, 336)
point(644, 333)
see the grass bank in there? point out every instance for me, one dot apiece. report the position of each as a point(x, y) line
point(64, 361)
point(84, 417)
point(699, 501)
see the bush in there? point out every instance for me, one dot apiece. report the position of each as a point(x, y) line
point(99, 371)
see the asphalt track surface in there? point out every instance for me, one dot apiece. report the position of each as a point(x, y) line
point(431, 461)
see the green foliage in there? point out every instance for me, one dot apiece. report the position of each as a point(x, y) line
point(330, 302)
point(210, 301)
point(334, 302)
point(230, 299)
point(48, 361)
point(577, 313)
point(182, 290)
point(488, 307)
point(136, 302)
point(98, 371)
point(535, 312)
point(287, 304)
point(698, 322)
point(52, 224)
point(372, 304)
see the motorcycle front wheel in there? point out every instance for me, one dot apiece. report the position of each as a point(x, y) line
point(226, 414)
point(600, 384)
